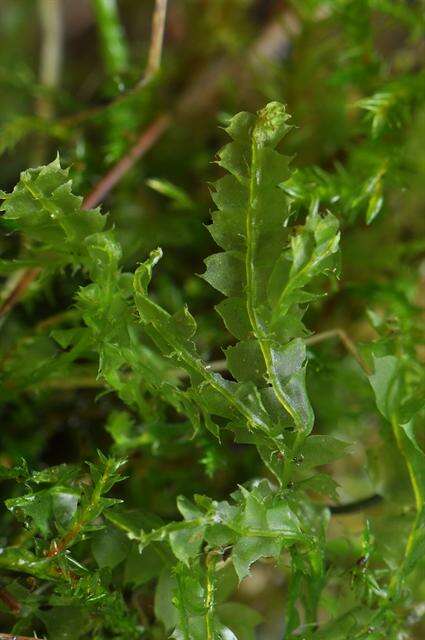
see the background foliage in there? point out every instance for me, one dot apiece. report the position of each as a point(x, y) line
point(150, 488)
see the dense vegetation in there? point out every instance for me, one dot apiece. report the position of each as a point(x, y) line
point(240, 455)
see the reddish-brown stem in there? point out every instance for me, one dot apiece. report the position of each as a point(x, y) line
point(63, 544)
point(18, 290)
point(10, 601)
point(157, 38)
point(146, 140)
point(346, 341)
point(13, 636)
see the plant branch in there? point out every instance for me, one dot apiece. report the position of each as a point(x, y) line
point(18, 290)
point(51, 52)
point(10, 601)
point(13, 636)
point(346, 341)
point(85, 516)
point(341, 334)
point(111, 35)
point(157, 38)
point(114, 175)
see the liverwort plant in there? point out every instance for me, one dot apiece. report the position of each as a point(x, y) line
point(105, 569)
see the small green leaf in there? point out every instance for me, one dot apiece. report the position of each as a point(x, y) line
point(142, 566)
point(110, 547)
point(186, 543)
point(248, 549)
point(177, 195)
point(386, 382)
point(321, 449)
point(165, 610)
point(66, 622)
point(240, 618)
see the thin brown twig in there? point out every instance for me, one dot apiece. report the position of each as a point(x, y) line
point(10, 601)
point(51, 55)
point(114, 175)
point(268, 46)
point(346, 341)
point(157, 38)
point(18, 290)
point(13, 636)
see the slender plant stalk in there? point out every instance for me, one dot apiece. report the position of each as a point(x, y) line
point(51, 54)
point(84, 517)
point(13, 636)
point(210, 595)
point(112, 40)
point(10, 601)
point(157, 38)
point(114, 175)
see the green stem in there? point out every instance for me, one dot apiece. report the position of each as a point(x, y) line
point(85, 515)
point(155, 329)
point(210, 595)
point(251, 289)
point(183, 617)
point(400, 438)
point(112, 40)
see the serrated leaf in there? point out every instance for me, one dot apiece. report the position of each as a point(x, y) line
point(245, 362)
point(186, 543)
point(322, 449)
point(248, 549)
point(225, 272)
point(235, 316)
point(321, 483)
point(385, 382)
point(45, 209)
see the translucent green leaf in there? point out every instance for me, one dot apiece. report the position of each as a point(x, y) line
point(66, 622)
point(321, 449)
point(110, 547)
point(235, 316)
point(248, 549)
point(142, 566)
point(166, 188)
point(186, 543)
point(245, 362)
point(225, 272)
point(165, 611)
point(240, 618)
point(386, 382)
